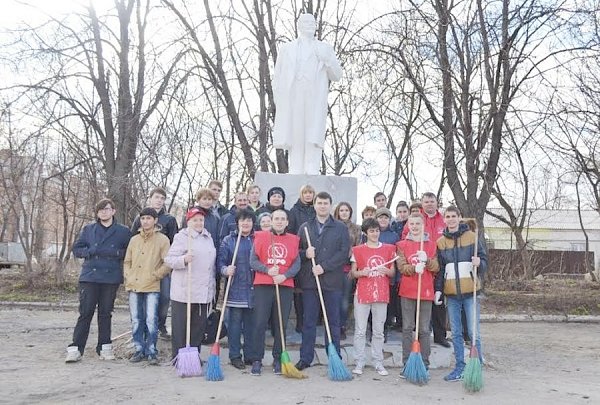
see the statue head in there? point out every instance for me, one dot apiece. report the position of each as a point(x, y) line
point(307, 25)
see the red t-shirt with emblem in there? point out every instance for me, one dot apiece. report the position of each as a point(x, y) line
point(274, 249)
point(376, 286)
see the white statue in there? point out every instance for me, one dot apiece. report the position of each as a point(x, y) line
point(303, 70)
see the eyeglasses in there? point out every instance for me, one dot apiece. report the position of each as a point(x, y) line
point(106, 209)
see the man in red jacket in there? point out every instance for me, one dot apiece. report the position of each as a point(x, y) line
point(413, 261)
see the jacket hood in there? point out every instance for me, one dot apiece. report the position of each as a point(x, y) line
point(462, 228)
point(409, 236)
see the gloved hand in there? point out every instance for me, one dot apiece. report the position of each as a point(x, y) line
point(438, 298)
point(92, 250)
point(422, 256)
point(419, 268)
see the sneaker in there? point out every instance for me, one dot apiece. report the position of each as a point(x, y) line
point(381, 370)
point(73, 354)
point(137, 357)
point(276, 367)
point(358, 369)
point(256, 368)
point(402, 376)
point(106, 353)
point(152, 360)
point(238, 363)
point(455, 375)
point(301, 365)
point(164, 334)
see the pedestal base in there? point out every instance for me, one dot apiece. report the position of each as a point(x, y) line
point(340, 188)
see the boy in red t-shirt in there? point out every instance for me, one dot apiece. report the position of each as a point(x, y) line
point(372, 266)
point(413, 261)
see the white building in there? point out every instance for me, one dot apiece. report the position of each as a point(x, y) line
point(549, 230)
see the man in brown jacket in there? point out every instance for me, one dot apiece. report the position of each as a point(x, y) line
point(143, 268)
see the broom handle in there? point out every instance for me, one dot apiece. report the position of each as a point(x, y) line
point(475, 289)
point(419, 287)
point(189, 293)
point(319, 289)
point(229, 280)
point(280, 317)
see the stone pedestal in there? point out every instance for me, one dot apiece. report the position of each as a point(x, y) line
point(340, 188)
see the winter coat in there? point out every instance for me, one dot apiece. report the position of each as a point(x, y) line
point(203, 266)
point(434, 226)
point(166, 223)
point(144, 265)
point(331, 247)
point(299, 214)
point(390, 237)
point(407, 259)
point(455, 250)
point(241, 291)
point(103, 250)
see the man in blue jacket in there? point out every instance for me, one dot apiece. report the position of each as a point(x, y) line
point(330, 244)
point(102, 245)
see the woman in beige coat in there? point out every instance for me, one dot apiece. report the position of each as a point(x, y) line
point(192, 245)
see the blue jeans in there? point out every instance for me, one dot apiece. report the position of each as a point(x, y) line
point(333, 303)
point(240, 322)
point(455, 307)
point(143, 308)
point(164, 301)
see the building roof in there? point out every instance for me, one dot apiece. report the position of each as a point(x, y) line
point(567, 219)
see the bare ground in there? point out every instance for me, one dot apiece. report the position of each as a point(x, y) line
point(532, 362)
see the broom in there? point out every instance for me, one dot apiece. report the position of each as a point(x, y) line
point(336, 370)
point(187, 362)
point(473, 374)
point(414, 369)
point(213, 367)
point(287, 367)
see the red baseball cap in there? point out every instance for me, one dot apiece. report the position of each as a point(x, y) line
point(193, 212)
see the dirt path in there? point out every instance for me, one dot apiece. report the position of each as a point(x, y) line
point(533, 362)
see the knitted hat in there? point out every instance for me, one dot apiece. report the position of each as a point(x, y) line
point(276, 190)
point(148, 211)
point(383, 211)
point(192, 212)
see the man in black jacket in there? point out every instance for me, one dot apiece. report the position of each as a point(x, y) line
point(330, 245)
point(168, 226)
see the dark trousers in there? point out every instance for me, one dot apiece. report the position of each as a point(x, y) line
point(265, 307)
point(164, 301)
point(394, 311)
point(92, 295)
point(178, 325)
point(438, 322)
point(298, 309)
point(312, 305)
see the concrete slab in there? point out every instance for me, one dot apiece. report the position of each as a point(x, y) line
point(340, 188)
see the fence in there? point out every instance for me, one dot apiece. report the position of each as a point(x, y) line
point(506, 264)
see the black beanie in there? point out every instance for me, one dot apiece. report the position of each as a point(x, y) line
point(149, 211)
point(276, 190)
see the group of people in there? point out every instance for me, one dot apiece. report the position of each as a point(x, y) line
point(272, 257)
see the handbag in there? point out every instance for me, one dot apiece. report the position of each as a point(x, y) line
point(210, 332)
